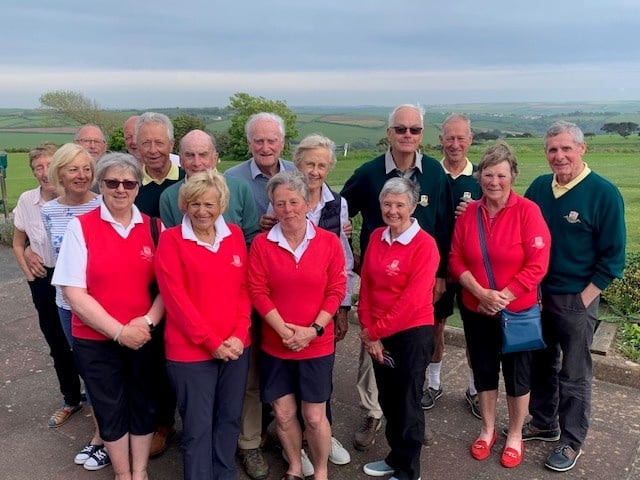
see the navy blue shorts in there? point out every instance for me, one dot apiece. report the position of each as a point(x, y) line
point(443, 308)
point(309, 380)
point(119, 380)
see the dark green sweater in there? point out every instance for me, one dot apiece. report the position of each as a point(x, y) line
point(363, 188)
point(588, 234)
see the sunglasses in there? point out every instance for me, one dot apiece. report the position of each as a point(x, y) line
point(127, 184)
point(403, 130)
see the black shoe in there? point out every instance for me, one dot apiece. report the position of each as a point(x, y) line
point(429, 397)
point(474, 404)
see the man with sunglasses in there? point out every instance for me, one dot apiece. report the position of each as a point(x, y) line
point(434, 214)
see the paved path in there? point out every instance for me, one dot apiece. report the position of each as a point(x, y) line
point(28, 394)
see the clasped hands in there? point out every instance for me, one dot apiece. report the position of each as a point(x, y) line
point(135, 334)
point(230, 349)
point(299, 337)
point(492, 301)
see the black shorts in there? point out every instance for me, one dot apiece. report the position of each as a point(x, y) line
point(484, 342)
point(309, 380)
point(443, 308)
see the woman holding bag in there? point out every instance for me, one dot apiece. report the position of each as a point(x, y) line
point(517, 249)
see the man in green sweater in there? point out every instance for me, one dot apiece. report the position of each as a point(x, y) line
point(585, 214)
point(197, 154)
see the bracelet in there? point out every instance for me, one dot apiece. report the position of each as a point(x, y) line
point(117, 337)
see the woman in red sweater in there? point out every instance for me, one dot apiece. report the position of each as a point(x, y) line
point(201, 269)
point(518, 245)
point(396, 314)
point(297, 280)
point(105, 267)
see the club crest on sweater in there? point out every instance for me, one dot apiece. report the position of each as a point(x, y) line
point(236, 262)
point(146, 253)
point(393, 268)
point(572, 217)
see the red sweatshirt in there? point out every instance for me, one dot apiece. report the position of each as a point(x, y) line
point(396, 292)
point(518, 242)
point(297, 290)
point(205, 294)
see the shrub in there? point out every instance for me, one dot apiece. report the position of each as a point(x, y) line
point(629, 340)
point(623, 295)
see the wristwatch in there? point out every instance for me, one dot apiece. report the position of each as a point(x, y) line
point(319, 329)
point(150, 323)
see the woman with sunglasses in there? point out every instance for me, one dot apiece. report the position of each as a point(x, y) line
point(105, 269)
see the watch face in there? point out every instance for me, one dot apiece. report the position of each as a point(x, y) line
point(319, 329)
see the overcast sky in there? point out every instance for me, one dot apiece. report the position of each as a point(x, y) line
point(197, 53)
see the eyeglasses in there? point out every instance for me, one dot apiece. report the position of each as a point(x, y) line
point(403, 130)
point(127, 184)
point(89, 141)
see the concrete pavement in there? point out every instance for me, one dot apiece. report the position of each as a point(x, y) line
point(30, 450)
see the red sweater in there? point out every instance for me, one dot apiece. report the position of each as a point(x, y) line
point(518, 242)
point(297, 290)
point(205, 294)
point(396, 291)
point(119, 271)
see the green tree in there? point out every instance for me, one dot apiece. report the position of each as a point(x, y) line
point(223, 142)
point(183, 124)
point(242, 106)
point(78, 108)
point(116, 141)
point(624, 129)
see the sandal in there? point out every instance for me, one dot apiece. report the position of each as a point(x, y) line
point(289, 476)
point(480, 450)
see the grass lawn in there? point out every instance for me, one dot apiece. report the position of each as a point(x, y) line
point(621, 167)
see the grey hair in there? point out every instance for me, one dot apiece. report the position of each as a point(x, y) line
point(456, 117)
point(416, 107)
point(157, 118)
point(262, 116)
point(497, 153)
point(401, 186)
point(89, 125)
point(560, 127)
point(295, 180)
point(311, 142)
point(121, 161)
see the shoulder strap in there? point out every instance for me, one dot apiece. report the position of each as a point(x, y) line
point(154, 230)
point(485, 254)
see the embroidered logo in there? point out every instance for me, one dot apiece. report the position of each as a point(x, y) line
point(236, 262)
point(424, 200)
point(393, 268)
point(538, 243)
point(572, 217)
point(146, 254)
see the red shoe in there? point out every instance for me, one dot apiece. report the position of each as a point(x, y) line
point(480, 450)
point(511, 458)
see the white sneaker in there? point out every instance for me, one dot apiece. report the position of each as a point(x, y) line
point(338, 455)
point(307, 466)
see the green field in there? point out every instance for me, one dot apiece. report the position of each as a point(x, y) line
point(621, 168)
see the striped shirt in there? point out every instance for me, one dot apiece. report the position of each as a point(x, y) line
point(56, 217)
point(27, 218)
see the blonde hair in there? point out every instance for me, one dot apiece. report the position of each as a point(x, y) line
point(198, 184)
point(66, 154)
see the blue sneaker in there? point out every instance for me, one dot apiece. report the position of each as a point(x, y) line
point(378, 469)
point(98, 460)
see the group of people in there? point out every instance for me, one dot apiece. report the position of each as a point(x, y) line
point(177, 287)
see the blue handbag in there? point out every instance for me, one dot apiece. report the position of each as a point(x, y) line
point(521, 331)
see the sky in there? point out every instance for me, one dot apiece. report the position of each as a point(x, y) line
point(197, 53)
